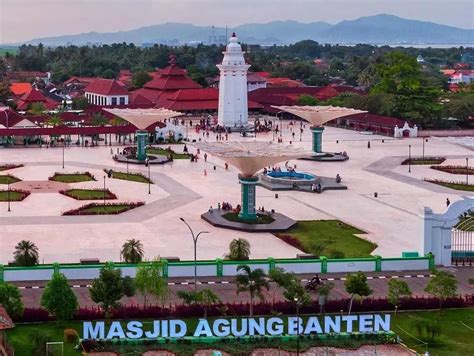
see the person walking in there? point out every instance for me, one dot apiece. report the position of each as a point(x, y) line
point(448, 202)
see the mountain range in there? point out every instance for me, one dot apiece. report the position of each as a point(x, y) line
point(378, 29)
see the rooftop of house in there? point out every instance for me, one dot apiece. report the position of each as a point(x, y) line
point(103, 86)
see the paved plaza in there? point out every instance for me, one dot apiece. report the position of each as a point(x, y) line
point(393, 219)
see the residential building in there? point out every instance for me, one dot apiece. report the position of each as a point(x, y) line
point(106, 92)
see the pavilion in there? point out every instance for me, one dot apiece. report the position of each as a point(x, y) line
point(317, 116)
point(249, 157)
point(142, 119)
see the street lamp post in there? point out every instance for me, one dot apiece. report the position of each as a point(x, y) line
point(64, 143)
point(195, 239)
point(297, 303)
point(467, 171)
point(409, 158)
point(424, 140)
point(8, 194)
point(104, 192)
point(147, 164)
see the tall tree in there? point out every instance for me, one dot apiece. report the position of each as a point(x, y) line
point(5, 92)
point(10, 299)
point(400, 75)
point(109, 288)
point(132, 251)
point(26, 253)
point(442, 286)
point(54, 120)
point(37, 108)
point(58, 298)
point(396, 290)
point(356, 285)
point(251, 281)
point(149, 281)
point(139, 78)
point(239, 250)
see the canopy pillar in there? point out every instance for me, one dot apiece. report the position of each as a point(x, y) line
point(248, 184)
point(317, 132)
point(141, 144)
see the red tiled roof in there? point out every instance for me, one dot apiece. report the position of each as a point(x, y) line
point(25, 74)
point(284, 82)
point(5, 320)
point(263, 74)
point(9, 118)
point(33, 95)
point(106, 87)
point(150, 94)
point(138, 99)
point(20, 88)
point(378, 120)
point(82, 80)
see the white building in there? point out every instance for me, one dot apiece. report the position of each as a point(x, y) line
point(106, 92)
point(233, 107)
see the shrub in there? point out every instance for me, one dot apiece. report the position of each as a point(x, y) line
point(126, 207)
point(293, 241)
point(70, 336)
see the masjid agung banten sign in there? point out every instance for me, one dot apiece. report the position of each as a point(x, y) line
point(238, 327)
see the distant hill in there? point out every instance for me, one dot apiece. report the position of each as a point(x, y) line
point(378, 29)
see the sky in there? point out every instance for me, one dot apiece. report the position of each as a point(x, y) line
point(22, 20)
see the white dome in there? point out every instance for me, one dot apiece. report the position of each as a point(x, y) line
point(233, 45)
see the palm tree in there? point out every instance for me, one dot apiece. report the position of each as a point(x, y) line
point(54, 120)
point(98, 119)
point(132, 251)
point(26, 253)
point(251, 282)
point(239, 250)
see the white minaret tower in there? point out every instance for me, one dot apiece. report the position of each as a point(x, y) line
point(233, 107)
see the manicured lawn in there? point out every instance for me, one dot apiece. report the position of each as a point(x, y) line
point(108, 209)
point(455, 338)
point(5, 167)
point(262, 219)
point(8, 179)
point(72, 177)
point(424, 161)
point(164, 152)
point(90, 194)
point(453, 185)
point(14, 196)
point(134, 177)
point(333, 235)
point(455, 169)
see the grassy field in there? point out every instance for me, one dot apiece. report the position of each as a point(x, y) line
point(163, 152)
point(72, 178)
point(454, 185)
point(456, 331)
point(14, 196)
point(134, 177)
point(90, 194)
point(11, 50)
point(334, 236)
point(455, 336)
point(8, 179)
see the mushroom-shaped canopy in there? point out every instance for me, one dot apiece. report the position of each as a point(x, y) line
point(318, 115)
point(142, 118)
point(251, 156)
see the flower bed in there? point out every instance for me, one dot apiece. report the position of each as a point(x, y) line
point(166, 152)
point(133, 177)
point(9, 179)
point(454, 169)
point(424, 161)
point(292, 241)
point(89, 194)
point(15, 195)
point(261, 218)
point(75, 177)
point(101, 209)
point(452, 185)
point(6, 167)
point(242, 309)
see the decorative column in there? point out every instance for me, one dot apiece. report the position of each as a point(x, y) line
point(317, 138)
point(247, 211)
point(141, 143)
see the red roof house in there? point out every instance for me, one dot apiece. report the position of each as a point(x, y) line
point(103, 86)
point(35, 96)
point(20, 88)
